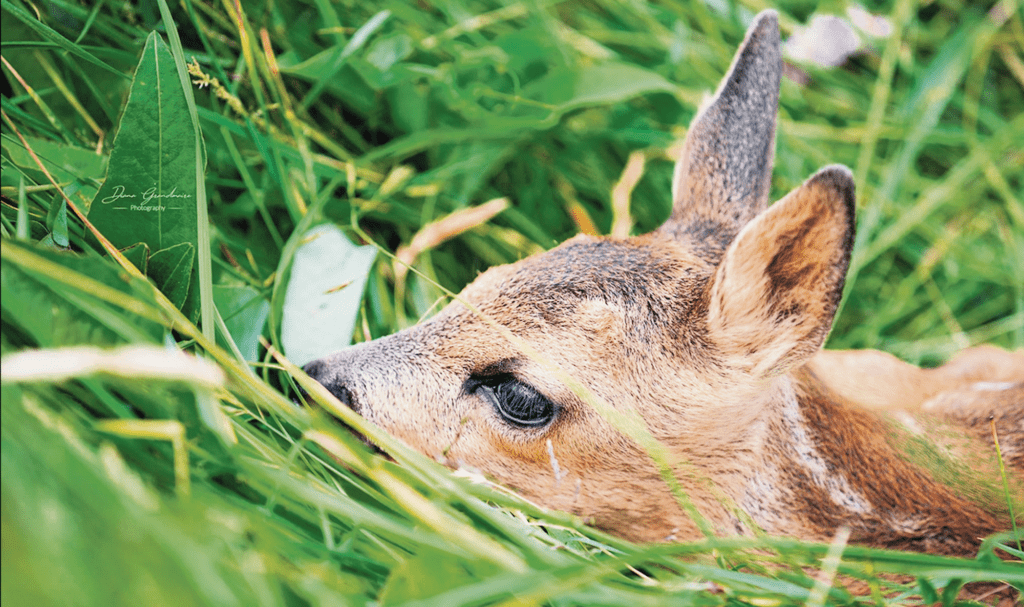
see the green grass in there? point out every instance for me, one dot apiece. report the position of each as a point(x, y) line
point(121, 488)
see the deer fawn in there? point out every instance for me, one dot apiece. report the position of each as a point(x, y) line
point(710, 329)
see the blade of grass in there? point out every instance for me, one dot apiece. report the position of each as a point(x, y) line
point(52, 36)
point(208, 314)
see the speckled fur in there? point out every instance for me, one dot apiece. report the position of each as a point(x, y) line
point(710, 328)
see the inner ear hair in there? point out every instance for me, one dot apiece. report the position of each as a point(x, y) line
point(777, 288)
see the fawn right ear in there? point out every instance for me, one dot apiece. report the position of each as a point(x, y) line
point(722, 179)
point(778, 285)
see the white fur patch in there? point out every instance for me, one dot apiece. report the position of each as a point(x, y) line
point(992, 386)
point(834, 482)
point(758, 488)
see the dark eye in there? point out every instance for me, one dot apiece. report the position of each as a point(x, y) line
point(516, 402)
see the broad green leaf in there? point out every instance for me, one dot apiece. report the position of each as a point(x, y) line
point(67, 164)
point(171, 270)
point(149, 195)
point(324, 290)
point(601, 84)
point(614, 82)
point(325, 62)
point(51, 313)
point(72, 162)
point(324, 68)
point(245, 314)
point(389, 50)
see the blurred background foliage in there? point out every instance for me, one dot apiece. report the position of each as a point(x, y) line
point(440, 107)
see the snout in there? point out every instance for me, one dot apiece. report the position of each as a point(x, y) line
point(322, 371)
point(401, 385)
point(330, 376)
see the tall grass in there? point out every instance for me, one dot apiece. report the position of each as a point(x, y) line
point(142, 479)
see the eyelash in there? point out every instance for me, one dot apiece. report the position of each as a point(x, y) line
point(515, 401)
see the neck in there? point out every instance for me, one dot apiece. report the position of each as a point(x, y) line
point(826, 465)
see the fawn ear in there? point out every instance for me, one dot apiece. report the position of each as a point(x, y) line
point(722, 179)
point(777, 287)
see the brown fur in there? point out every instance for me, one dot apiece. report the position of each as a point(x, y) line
point(710, 329)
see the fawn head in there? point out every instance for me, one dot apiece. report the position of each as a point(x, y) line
point(688, 327)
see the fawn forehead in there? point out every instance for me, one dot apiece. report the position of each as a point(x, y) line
point(650, 282)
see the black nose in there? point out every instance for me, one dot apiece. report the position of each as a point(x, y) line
point(314, 369)
point(331, 375)
point(329, 378)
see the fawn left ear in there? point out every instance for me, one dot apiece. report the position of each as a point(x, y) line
point(777, 287)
